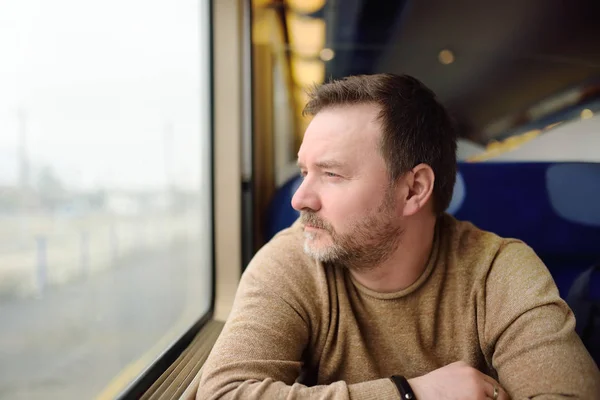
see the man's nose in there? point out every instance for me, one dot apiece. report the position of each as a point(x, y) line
point(306, 197)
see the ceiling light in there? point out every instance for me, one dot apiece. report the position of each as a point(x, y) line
point(586, 113)
point(307, 72)
point(446, 57)
point(306, 6)
point(306, 35)
point(326, 54)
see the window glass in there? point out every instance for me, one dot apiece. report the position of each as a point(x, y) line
point(105, 190)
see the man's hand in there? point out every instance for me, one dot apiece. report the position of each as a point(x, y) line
point(456, 381)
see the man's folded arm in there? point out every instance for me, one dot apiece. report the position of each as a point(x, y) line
point(259, 352)
point(529, 332)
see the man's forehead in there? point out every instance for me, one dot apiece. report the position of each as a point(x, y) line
point(342, 130)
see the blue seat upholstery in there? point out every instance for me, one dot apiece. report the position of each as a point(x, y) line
point(280, 213)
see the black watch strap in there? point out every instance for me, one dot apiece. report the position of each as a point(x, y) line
point(406, 392)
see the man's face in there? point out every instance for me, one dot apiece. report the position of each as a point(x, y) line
point(348, 206)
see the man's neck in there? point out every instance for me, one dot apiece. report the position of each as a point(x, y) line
point(407, 262)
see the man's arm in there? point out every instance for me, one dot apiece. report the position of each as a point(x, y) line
point(258, 355)
point(529, 332)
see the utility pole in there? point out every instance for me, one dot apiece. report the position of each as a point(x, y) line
point(24, 194)
point(23, 160)
point(168, 163)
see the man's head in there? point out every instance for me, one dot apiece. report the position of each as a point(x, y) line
point(379, 150)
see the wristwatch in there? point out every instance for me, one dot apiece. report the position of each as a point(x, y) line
point(406, 392)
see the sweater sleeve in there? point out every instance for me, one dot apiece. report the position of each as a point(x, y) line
point(529, 332)
point(259, 352)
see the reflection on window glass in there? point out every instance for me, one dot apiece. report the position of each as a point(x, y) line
point(104, 190)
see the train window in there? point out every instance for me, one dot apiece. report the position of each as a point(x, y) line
point(105, 190)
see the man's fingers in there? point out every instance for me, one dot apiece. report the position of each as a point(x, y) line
point(490, 388)
point(491, 385)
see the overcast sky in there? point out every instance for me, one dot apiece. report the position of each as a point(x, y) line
point(99, 82)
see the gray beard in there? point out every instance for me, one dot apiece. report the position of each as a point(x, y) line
point(370, 244)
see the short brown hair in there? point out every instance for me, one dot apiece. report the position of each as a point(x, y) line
point(416, 128)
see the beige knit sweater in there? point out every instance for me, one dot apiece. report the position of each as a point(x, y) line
point(301, 330)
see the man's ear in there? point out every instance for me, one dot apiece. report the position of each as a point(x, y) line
point(420, 188)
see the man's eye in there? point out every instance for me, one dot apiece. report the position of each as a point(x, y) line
point(332, 175)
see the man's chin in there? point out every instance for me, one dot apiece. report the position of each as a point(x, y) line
point(318, 240)
point(318, 251)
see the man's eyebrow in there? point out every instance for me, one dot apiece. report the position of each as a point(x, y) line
point(324, 164)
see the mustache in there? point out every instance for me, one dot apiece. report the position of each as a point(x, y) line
point(312, 219)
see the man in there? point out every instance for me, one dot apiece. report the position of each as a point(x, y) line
point(375, 293)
